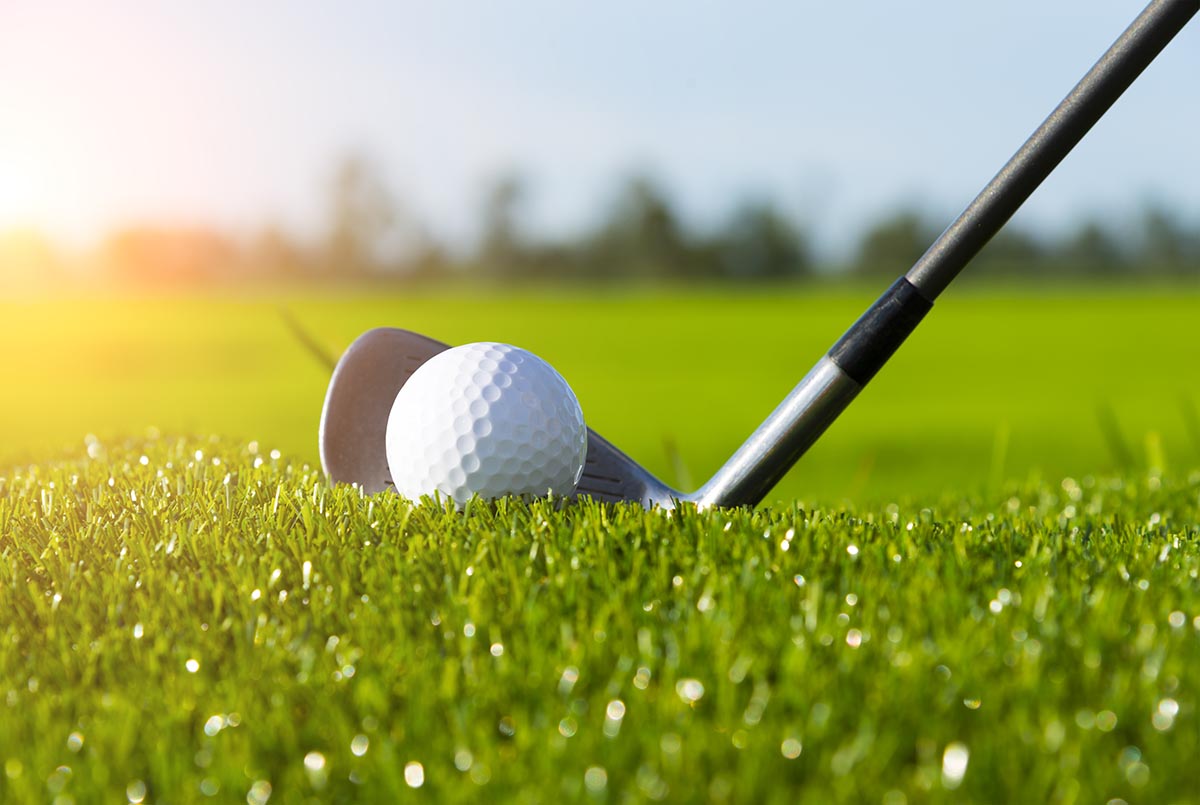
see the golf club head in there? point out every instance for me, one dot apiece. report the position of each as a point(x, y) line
point(361, 392)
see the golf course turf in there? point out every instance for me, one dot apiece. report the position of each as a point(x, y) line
point(201, 620)
point(207, 619)
point(998, 383)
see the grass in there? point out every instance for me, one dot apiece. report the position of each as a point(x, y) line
point(187, 620)
point(197, 618)
point(996, 383)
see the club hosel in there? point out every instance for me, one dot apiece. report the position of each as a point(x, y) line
point(874, 338)
point(778, 443)
point(818, 399)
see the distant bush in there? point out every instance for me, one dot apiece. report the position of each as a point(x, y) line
point(640, 235)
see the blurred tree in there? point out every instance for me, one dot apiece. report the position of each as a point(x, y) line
point(894, 243)
point(1167, 244)
point(274, 254)
point(641, 238)
point(1012, 251)
point(157, 256)
point(363, 214)
point(1093, 249)
point(427, 260)
point(503, 250)
point(760, 243)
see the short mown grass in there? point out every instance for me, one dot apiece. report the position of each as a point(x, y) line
point(201, 621)
point(998, 382)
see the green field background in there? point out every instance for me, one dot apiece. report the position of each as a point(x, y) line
point(996, 385)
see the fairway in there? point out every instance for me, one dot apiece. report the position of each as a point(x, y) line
point(994, 385)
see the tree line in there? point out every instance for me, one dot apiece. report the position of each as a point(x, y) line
point(641, 235)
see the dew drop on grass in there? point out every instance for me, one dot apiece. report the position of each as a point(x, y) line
point(314, 767)
point(954, 764)
point(791, 748)
point(192, 665)
point(614, 713)
point(135, 792)
point(259, 793)
point(1164, 715)
point(566, 682)
point(414, 774)
point(463, 760)
point(595, 779)
point(690, 690)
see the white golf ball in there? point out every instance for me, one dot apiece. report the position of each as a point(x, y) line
point(485, 419)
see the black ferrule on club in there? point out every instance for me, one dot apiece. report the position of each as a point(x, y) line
point(868, 344)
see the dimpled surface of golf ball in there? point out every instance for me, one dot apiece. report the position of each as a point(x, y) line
point(485, 419)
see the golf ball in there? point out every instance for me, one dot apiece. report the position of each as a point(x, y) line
point(485, 419)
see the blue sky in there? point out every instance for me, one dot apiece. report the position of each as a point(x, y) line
point(233, 113)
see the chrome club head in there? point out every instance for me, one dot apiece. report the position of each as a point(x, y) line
point(364, 385)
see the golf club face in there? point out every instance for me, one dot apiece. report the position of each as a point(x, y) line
point(364, 385)
point(610, 475)
point(361, 391)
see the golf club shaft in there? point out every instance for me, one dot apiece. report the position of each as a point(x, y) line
point(836, 380)
point(1119, 67)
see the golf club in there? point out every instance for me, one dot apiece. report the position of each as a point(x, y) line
point(375, 367)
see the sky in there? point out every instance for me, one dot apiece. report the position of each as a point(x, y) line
point(234, 114)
